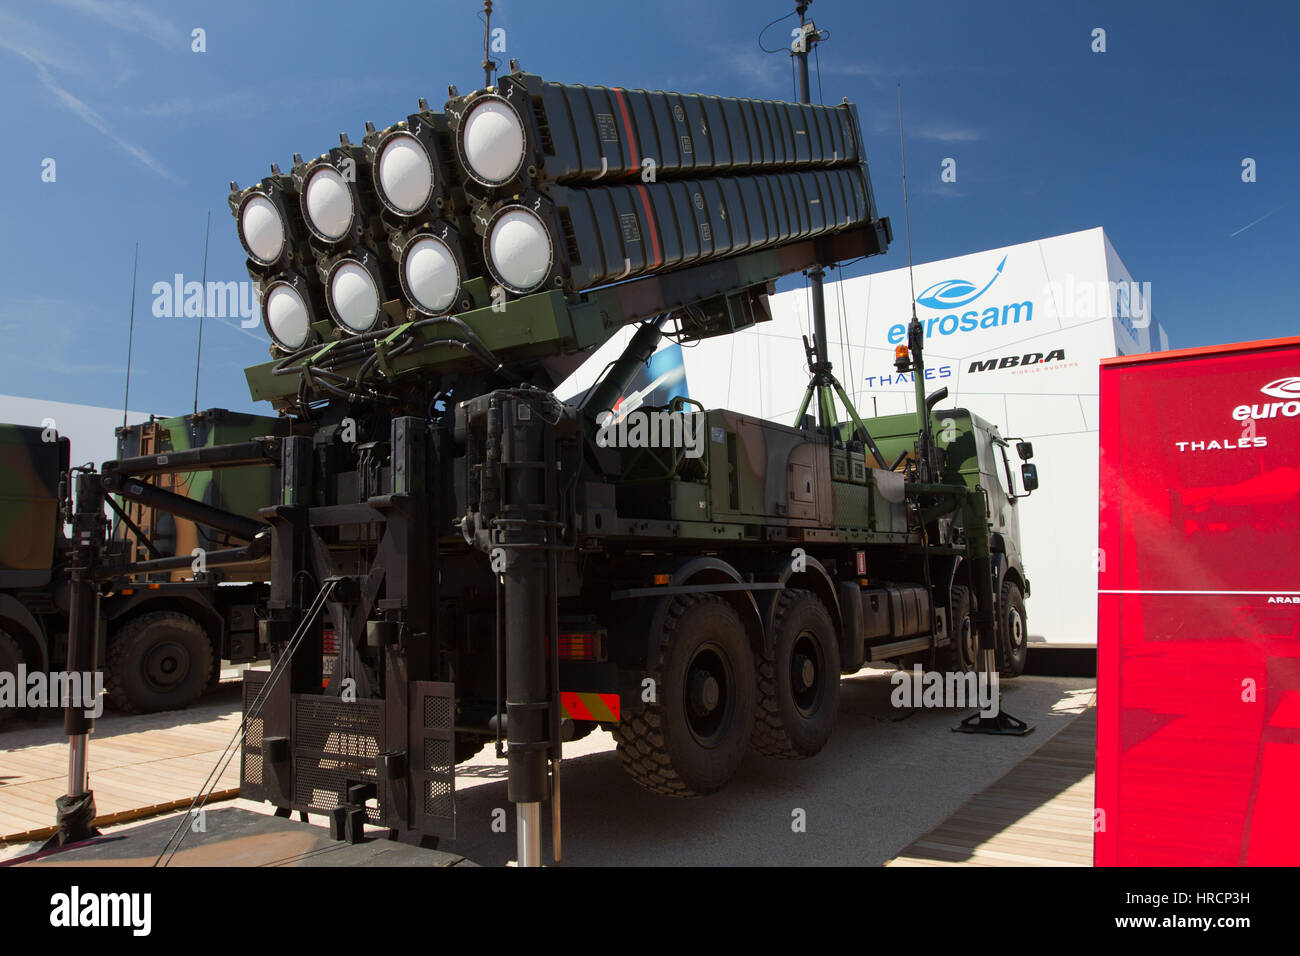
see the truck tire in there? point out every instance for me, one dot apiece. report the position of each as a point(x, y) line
point(11, 655)
point(798, 679)
point(158, 661)
point(690, 740)
point(963, 651)
point(1013, 631)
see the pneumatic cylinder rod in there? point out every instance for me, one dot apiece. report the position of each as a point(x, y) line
point(640, 347)
point(75, 810)
point(525, 534)
point(528, 820)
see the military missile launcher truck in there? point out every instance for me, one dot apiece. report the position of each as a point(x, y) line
point(495, 566)
point(166, 633)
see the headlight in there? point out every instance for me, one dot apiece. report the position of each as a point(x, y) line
point(430, 274)
point(327, 204)
point(519, 249)
point(286, 317)
point(261, 227)
point(354, 294)
point(404, 174)
point(492, 142)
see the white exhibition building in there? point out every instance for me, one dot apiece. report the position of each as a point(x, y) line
point(1015, 334)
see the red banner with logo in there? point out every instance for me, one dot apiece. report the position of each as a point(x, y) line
point(1198, 632)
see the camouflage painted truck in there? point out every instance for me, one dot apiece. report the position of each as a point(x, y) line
point(497, 566)
point(165, 632)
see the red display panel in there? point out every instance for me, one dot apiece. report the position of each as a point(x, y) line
point(1198, 626)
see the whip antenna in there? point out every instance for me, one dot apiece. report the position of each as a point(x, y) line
point(489, 64)
point(130, 335)
point(907, 218)
point(203, 311)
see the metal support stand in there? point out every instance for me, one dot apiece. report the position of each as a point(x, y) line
point(75, 810)
point(557, 855)
point(981, 569)
point(526, 530)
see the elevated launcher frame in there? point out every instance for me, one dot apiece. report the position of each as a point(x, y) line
point(467, 478)
point(368, 540)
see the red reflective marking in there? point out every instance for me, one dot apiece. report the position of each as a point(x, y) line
point(574, 707)
point(611, 701)
point(653, 226)
point(627, 127)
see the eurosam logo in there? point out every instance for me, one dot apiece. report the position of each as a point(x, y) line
point(1286, 389)
point(951, 296)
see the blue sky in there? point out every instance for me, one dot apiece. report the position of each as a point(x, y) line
point(1146, 139)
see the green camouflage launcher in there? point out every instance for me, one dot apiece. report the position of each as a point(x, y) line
point(460, 558)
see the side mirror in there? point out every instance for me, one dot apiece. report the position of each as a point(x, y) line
point(1025, 449)
point(1029, 477)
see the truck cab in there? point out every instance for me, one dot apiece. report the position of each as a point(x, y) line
point(973, 452)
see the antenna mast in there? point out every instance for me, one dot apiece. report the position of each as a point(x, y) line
point(915, 361)
point(823, 383)
point(203, 311)
point(907, 217)
point(130, 335)
point(489, 65)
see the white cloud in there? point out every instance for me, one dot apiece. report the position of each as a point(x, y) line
point(43, 54)
point(91, 118)
point(947, 134)
point(133, 18)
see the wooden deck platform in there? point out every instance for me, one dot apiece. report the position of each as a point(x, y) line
point(151, 763)
point(1039, 814)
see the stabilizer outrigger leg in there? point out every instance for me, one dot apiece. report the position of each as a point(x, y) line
point(1000, 723)
point(75, 810)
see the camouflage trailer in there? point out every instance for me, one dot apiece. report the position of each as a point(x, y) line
point(166, 633)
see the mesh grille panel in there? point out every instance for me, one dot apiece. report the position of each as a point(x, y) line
point(250, 751)
point(437, 755)
point(438, 799)
point(432, 754)
point(437, 711)
point(335, 743)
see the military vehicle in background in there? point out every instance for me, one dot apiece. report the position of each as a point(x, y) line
point(459, 558)
point(165, 633)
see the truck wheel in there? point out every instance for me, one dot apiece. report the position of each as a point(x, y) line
point(964, 650)
point(690, 740)
point(798, 680)
point(11, 655)
point(1013, 631)
point(158, 661)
